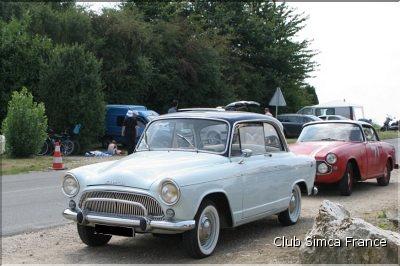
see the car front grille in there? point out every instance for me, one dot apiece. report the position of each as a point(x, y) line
point(154, 209)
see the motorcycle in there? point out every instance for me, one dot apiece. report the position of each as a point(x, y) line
point(389, 125)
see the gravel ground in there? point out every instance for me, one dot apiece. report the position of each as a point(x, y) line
point(252, 243)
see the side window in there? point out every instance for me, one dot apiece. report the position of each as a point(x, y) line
point(370, 134)
point(272, 140)
point(120, 120)
point(252, 137)
point(248, 136)
point(235, 150)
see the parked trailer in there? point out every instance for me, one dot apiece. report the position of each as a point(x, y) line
point(351, 111)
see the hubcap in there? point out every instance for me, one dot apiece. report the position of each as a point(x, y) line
point(205, 230)
point(208, 230)
point(294, 205)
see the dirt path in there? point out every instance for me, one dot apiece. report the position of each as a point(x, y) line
point(252, 243)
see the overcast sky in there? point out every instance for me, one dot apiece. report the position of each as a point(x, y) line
point(359, 53)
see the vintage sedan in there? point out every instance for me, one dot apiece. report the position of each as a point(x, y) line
point(179, 181)
point(346, 151)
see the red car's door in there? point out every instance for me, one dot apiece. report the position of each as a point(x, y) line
point(374, 152)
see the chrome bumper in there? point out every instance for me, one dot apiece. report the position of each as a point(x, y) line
point(314, 191)
point(141, 223)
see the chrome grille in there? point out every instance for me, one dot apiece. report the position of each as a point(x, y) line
point(119, 208)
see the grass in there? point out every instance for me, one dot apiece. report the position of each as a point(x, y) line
point(388, 134)
point(12, 166)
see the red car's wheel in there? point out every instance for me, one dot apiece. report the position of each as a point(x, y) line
point(384, 180)
point(347, 181)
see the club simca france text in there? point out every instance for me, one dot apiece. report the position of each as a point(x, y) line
point(283, 241)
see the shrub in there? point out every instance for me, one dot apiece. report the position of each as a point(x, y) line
point(70, 86)
point(25, 125)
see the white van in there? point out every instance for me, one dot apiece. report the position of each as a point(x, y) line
point(351, 111)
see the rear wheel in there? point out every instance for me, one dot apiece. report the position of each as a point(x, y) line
point(291, 215)
point(347, 181)
point(90, 237)
point(384, 180)
point(202, 240)
point(67, 147)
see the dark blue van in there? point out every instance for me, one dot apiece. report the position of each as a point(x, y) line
point(115, 115)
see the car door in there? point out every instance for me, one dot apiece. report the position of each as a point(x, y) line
point(291, 125)
point(374, 152)
point(257, 171)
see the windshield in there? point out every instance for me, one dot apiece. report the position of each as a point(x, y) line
point(331, 132)
point(185, 134)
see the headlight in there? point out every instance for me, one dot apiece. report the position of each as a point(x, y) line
point(322, 168)
point(169, 192)
point(70, 185)
point(331, 158)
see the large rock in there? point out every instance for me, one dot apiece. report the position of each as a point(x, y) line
point(337, 238)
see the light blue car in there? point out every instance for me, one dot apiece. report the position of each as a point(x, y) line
point(184, 180)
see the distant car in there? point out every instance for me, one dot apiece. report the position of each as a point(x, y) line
point(234, 106)
point(333, 117)
point(179, 181)
point(293, 123)
point(346, 152)
point(115, 115)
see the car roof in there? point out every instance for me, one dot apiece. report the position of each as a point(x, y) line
point(230, 116)
point(359, 123)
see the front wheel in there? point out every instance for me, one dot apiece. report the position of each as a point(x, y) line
point(291, 215)
point(347, 181)
point(90, 237)
point(384, 180)
point(202, 240)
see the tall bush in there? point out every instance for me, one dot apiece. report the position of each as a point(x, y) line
point(71, 88)
point(25, 125)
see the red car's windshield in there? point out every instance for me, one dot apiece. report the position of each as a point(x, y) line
point(331, 132)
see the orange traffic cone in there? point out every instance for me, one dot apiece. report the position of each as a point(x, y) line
point(57, 159)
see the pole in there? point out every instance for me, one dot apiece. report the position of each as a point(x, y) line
point(276, 111)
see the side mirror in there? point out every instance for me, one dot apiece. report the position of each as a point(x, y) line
point(247, 153)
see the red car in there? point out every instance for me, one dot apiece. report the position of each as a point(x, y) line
point(346, 151)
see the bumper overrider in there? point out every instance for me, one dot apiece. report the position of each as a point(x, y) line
point(142, 223)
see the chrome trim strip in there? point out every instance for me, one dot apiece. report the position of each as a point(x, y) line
point(179, 226)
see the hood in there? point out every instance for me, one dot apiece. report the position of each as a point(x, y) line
point(142, 169)
point(317, 148)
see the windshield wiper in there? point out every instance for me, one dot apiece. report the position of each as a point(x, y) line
point(331, 139)
point(188, 141)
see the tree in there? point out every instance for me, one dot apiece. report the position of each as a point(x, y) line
point(25, 125)
point(22, 57)
point(71, 88)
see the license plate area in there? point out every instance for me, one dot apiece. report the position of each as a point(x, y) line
point(114, 230)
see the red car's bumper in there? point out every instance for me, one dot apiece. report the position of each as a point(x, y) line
point(333, 176)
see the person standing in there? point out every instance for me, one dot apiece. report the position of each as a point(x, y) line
point(267, 112)
point(174, 107)
point(129, 130)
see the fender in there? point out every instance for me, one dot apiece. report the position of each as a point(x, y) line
point(208, 192)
